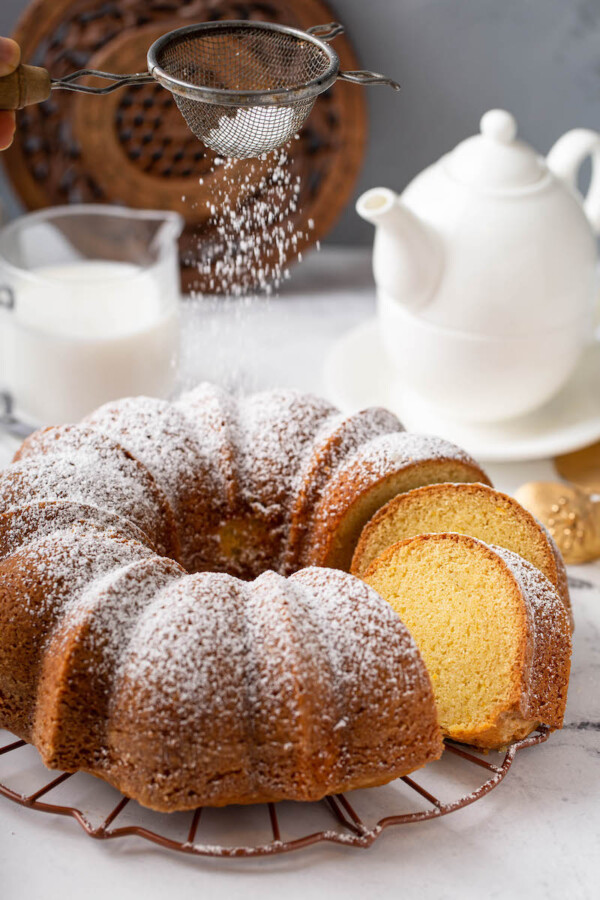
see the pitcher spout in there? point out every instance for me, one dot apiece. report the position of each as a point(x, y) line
point(407, 256)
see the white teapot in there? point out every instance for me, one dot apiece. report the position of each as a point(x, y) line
point(486, 271)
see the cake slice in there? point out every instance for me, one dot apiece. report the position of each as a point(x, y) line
point(491, 628)
point(473, 509)
point(363, 482)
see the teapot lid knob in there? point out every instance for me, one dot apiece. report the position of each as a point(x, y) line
point(494, 159)
point(499, 125)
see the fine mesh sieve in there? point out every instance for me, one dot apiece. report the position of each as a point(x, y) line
point(252, 86)
point(244, 88)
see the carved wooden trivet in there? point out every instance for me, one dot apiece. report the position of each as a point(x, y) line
point(132, 147)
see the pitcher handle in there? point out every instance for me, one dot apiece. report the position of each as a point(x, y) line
point(565, 159)
point(7, 305)
point(7, 297)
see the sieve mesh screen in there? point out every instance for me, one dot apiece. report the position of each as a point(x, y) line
point(241, 59)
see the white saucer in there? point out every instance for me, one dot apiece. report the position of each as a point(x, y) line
point(357, 374)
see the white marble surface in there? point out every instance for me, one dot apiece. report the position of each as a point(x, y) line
point(537, 835)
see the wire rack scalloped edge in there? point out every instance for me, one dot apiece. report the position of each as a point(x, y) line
point(355, 834)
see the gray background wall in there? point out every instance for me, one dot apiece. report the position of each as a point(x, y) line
point(455, 59)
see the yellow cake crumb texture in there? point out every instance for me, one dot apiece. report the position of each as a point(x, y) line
point(476, 625)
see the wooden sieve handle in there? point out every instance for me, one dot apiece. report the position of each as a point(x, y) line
point(24, 87)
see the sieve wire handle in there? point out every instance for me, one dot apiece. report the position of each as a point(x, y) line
point(364, 76)
point(71, 82)
point(360, 76)
point(326, 32)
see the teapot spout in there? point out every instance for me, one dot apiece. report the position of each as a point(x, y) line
point(407, 256)
point(378, 206)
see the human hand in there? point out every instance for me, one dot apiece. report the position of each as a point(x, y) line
point(10, 57)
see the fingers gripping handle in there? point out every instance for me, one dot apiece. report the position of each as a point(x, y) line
point(24, 87)
point(565, 159)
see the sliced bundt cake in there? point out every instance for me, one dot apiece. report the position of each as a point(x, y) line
point(492, 630)
point(473, 509)
point(188, 689)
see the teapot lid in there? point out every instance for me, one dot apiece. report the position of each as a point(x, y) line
point(494, 158)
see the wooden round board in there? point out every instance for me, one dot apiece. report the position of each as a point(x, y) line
point(132, 147)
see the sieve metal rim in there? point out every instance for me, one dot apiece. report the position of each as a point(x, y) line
point(225, 97)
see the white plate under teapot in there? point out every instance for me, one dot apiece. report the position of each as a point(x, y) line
point(357, 374)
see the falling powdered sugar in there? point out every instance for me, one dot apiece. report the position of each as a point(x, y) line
point(253, 231)
point(253, 216)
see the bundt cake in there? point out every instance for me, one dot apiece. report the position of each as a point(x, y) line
point(473, 509)
point(130, 646)
point(493, 632)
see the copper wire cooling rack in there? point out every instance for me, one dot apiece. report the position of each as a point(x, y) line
point(343, 823)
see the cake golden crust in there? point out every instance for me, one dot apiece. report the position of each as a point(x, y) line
point(320, 715)
point(492, 629)
point(38, 582)
point(77, 463)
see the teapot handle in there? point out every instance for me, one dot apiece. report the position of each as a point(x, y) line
point(565, 158)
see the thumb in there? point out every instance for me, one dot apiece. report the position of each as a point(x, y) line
point(10, 56)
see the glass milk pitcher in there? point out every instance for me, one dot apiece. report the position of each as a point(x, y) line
point(89, 307)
